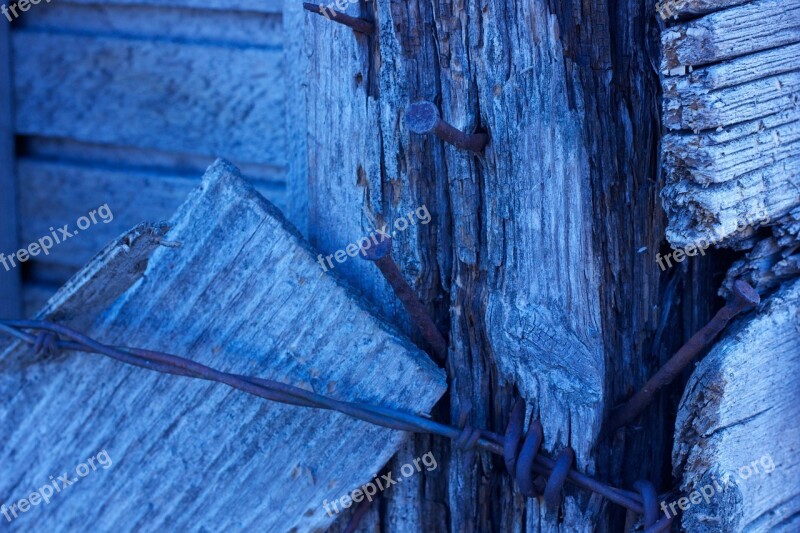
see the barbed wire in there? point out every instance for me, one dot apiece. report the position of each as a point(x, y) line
point(519, 447)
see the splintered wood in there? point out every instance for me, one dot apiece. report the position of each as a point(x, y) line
point(731, 81)
point(242, 293)
point(736, 429)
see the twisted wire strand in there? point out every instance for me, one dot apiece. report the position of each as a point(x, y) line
point(522, 462)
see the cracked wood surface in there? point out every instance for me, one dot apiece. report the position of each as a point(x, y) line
point(741, 404)
point(243, 293)
point(732, 157)
point(529, 241)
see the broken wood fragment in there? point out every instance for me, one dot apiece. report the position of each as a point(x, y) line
point(242, 294)
point(738, 416)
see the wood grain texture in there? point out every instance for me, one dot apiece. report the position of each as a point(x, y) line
point(745, 387)
point(10, 281)
point(160, 21)
point(170, 96)
point(727, 212)
point(216, 299)
point(772, 261)
point(731, 153)
point(731, 33)
point(735, 91)
point(59, 193)
point(263, 6)
point(522, 236)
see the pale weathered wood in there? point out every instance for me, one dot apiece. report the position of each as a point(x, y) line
point(161, 21)
point(170, 96)
point(10, 296)
point(242, 293)
point(133, 195)
point(735, 91)
point(263, 6)
point(741, 404)
point(517, 231)
point(734, 32)
point(723, 212)
point(728, 154)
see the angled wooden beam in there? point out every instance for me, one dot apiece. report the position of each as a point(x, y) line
point(233, 286)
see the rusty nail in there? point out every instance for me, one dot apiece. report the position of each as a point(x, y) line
point(357, 24)
point(745, 298)
point(381, 255)
point(423, 117)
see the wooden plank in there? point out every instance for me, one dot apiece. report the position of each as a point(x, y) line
point(734, 32)
point(10, 297)
point(745, 387)
point(720, 156)
point(720, 212)
point(733, 91)
point(697, 109)
point(215, 298)
point(133, 195)
point(262, 6)
point(162, 22)
point(171, 96)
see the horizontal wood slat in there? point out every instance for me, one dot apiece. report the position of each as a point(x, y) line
point(180, 97)
point(730, 33)
point(54, 194)
point(262, 6)
point(720, 156)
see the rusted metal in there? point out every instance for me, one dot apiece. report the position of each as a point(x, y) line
point(423, 118)
point(358, 24)
point(381, 255)
point(744, 299)
point(65, 338)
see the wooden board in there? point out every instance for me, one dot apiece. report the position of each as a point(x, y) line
point(740, 167)
point(59, 193)
point(264, 6)
point(245, 294)
point(169, 96)
point(736, 91)
point(530, 241)
point(745, 387)
point(731, 33)
point(162, 21)
point(731, 153)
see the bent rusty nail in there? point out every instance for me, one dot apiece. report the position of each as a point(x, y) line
point(423, 118)
point(745, 298)
point(355, 23)
point(382, 257)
